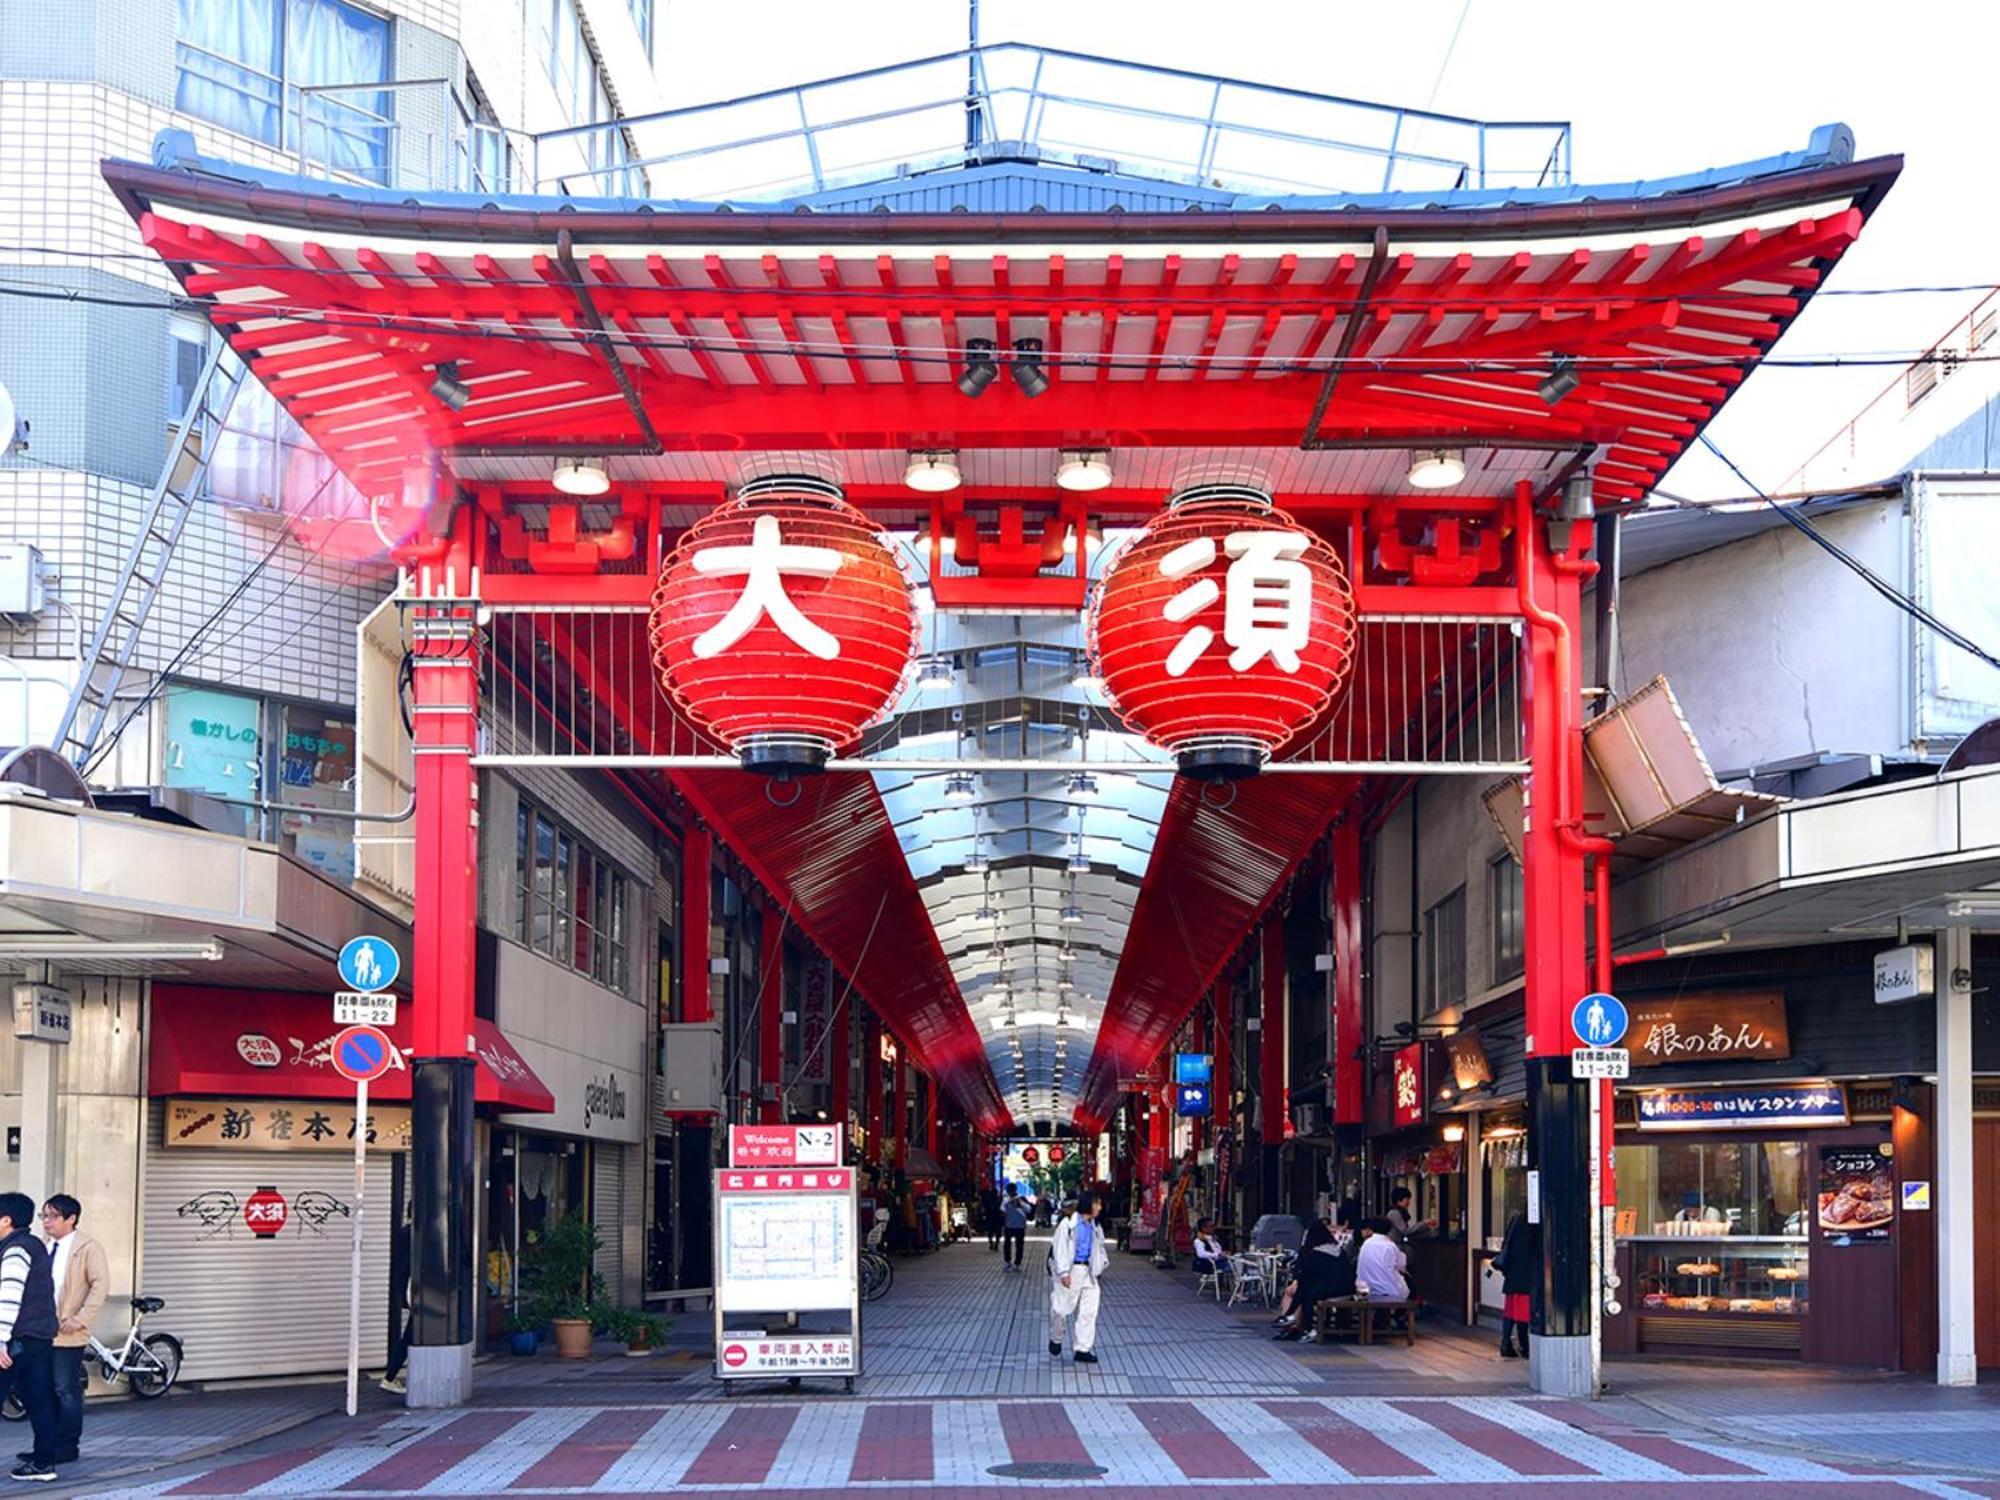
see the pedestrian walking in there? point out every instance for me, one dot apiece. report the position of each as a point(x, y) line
point(1080, 1262)
point(1013, 1230)
point(27, 1331)
point(989, 1216)
point(1519, 1263)
point(82, 1280)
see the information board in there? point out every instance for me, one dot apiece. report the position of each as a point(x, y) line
point(786, 1244)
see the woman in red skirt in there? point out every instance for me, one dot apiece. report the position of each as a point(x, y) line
point(1518, 1263)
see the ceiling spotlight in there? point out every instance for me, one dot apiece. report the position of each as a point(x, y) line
point(960, 786)
point(1064, 986)
point(1072, 915)
point(976, 863)
point(1437, 468)
point(933, 471)
point(986, 913)
point(1560, 381)
point(980, 371)
point(1028, 372)
point(448, 388)
point(1066, 953)
point(936, 676)
point(1083, 470)
point(1079, 862)
point(1082, 784)
point(581, 476)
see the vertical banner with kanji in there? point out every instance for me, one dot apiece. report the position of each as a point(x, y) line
point(815, 999)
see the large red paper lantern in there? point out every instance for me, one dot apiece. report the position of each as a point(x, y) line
point(265, 1211)
point(1222, 629)
point(783, 624)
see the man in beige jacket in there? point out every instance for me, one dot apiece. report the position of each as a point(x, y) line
point(82, 1282)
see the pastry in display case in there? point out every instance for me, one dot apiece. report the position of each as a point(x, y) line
point(1748, 1290)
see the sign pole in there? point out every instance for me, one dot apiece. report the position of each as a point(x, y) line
point(354, 1266)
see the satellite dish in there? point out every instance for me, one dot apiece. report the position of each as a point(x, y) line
point(1979, 748)
point(7, 419)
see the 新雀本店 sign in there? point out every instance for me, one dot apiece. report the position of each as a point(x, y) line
point(1752, 1106)
point(1708, 1028)
point(282, 1124)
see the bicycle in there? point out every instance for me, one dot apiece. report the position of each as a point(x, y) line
point(152, 1363)
point(875, 1271)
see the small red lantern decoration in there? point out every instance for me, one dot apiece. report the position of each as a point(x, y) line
point(783, 624)
point(1031, 1155)
point(1223, 629)
point(265, 1212)
point(1056, 1154)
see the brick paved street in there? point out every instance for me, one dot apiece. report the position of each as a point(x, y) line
point(960, 1388)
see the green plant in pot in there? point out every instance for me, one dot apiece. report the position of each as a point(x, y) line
point(638, 1332)
point(556, 1269)
point(524, 1329)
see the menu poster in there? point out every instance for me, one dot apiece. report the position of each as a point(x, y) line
point(1857, 1195)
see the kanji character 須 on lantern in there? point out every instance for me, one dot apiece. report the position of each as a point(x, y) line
point(1222, 629)
point(783, 624)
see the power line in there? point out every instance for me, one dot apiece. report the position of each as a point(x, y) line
point(1853, 564)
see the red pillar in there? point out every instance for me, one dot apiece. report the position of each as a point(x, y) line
point(840, 1059)
point(1347, 1038)
point(899, 1107)
point(445, 685)
point(771, 1018)
point(1276, 1096)
point(697, 860)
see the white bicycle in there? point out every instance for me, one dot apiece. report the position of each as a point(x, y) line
point(151, 1362)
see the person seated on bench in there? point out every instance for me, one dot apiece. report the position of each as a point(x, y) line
point(1210, 1259)
point(1325, 1269)
point(1382, 1265)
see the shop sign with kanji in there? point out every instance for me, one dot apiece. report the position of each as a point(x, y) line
point(282, 1124)
point(1708, 1028)
point(744, 1353)
point(1408, 1076)
point(1753, 1105)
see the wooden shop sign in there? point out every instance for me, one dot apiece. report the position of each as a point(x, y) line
point(1734, 1026)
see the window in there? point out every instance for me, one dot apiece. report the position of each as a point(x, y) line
point(242, 63)
point(485, 159)
point(1444, 952)
point(1507, 903)
point(187, 352)
point(580, 90)
point(642, 17)
point(569, 899)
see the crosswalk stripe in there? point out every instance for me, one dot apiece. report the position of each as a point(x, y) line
point(744, 1447)
point(417, 1464)
point(1362, 1454)
point(1197, 1446)
point(895, 1443)
point(583, 1456)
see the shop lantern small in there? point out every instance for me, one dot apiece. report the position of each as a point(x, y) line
point(265, 1211)
point(1222, 630)
point(783, 625)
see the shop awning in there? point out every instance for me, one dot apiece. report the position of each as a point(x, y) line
point(279, 1044)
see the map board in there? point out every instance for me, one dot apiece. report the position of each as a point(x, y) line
point(786, 1240)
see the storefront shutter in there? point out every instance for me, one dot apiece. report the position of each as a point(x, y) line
point(249, 1306)
point(607, 1212)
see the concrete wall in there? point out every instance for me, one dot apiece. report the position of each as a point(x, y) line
point(1774, 649)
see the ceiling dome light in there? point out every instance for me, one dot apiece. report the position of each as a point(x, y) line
point(933, 471)
point(1079, 862)
point(1081, 470)
point(1437, 468)
point(960, 786)
point(936, 676)
point(581, 476)
point(1082, 784)
point(1072, 915)
point(976, 863)
point(980, 371)
point(986, 914)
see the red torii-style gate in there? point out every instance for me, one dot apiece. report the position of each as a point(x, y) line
point(1322, 345)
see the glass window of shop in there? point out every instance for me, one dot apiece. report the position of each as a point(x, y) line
point(569, 898)
point(1746, 1188)
point(1444, 952)
point(1504, 1168)
point(531, 1182)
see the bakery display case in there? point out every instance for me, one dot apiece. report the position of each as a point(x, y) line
point(1748, 1291)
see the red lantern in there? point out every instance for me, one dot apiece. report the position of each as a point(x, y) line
point(783, 625)
point(1056, 1154)
point(265, 1212)
point(1031, 1156)
point(1222, 630)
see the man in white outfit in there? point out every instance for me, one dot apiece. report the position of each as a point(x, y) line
point(1078, 1261)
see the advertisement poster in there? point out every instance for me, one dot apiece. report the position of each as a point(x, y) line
point(1857, 1195)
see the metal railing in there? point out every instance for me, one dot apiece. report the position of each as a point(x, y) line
point(1048, 104)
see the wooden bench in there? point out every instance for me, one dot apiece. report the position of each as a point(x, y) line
point(1331, 1319)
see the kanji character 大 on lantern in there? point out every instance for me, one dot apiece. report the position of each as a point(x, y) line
point(1221, 563)
point(783, 624)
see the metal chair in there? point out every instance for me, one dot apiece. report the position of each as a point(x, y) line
point(1246, 1276)
point(1211, 1279)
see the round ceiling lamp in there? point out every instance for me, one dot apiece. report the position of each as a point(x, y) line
point(1437, 468)
point(782, 626)
point(581, 476)
point(933, 471)
point(1222, 630)
point(1083, 470)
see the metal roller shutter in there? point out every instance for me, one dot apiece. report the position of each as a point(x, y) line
point(607, 1212)
point(246, 1306)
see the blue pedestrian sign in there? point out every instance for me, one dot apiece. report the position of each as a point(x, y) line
point(368, 963)
point(1599, 1020)
point(1192, 1099)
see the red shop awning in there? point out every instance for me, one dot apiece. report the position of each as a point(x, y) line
point(279, 1044)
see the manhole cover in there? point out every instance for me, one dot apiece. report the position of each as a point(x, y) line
point(1047, 1471)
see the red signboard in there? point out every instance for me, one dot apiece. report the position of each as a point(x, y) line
point(1409, 1081)
point(784, 1145)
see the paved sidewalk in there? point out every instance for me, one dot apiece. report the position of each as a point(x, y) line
point(961, 1389)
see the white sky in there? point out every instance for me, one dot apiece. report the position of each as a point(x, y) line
point(1653, 90)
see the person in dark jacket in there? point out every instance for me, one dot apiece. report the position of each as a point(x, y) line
point(1325, 1268)
point(1518, 1263)
point(28, 1328)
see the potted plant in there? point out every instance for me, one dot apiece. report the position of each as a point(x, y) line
point(557, 1268)
point(637, 1331)
point(524, 1331)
